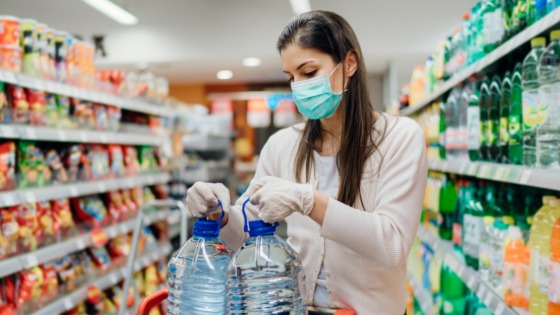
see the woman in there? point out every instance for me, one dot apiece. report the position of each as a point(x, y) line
point(349, 182)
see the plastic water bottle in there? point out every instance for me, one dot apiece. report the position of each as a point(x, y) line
point(265, 275)
point(548, 133)
point(531, 100)
point(198, 273)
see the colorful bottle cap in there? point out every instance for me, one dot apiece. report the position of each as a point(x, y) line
point(538, 42)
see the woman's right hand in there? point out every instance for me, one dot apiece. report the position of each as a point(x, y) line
point(202, 199)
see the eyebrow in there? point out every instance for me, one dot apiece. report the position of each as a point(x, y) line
point(300, 66)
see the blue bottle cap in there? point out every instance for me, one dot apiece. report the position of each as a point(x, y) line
point(206, 228)
point(259, 227)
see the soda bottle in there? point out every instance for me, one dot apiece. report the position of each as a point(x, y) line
point(448, 200)
point(507, 18)
point(505, 104)
point(485, 258)
point(452, 124)
point(473, 122)
point(497, 253)
point(548, 116)
point(453, 290)
point(485, 103)
point(530, 99)
point(488, 16)
point(540, 9)
point(462, 198)
point(519, 16)
point(515, 119)
point(442, 127)
point(531, 12)
point(515, 269)
point(462, 139)
point(473, 224)
point(498, 27)
point(494, 118)
point(554, 281)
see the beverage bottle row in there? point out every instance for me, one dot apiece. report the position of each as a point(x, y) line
point(510, 119)
point(511, 235)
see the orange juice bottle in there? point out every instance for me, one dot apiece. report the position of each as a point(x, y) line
point(554, 267)
point(515, 269)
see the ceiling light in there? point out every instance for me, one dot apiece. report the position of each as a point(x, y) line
point(251, 62)
point(224, 75)
point(300, 6)
point(113, 11)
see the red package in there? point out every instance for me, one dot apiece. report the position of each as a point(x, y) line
point(119, 246)
point(37, 280)
point(18, 288)
point(10, 232)
point(62, 215)
point(46, 221)
point(137, 196)
point(90, 210)
point(50, 280)
point(37, 107)
point(29, 231)
point(117, 210)
point(127, 201)
point(7, 165)
point(117, 160)
point(19, 104)
point(131, 160)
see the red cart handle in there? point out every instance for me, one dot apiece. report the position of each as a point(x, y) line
point(151, 301)
point(345, 312)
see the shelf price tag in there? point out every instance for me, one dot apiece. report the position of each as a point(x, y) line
point(62, 135)
point(29, 133)
point(80, 243)
point(73, 191)
point(7, 132)
point(67, 302)
point(500, 309)
point(101, 187)
point(30, 197)
point(500, 172)
point(525, 176)
point(488, 299)
point(31, 261)
point(473, 168)
point(8, 199)
point(7, 76)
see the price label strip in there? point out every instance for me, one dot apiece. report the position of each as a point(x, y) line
point(525, 176)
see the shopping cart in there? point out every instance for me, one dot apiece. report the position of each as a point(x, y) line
point(158, 204)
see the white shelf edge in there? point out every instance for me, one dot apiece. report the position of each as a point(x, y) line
point(90, 95)
point(549, 21)
point(74, 244)
point(514, 174)
point(421, 295)
point(14, 197)
point(470, 277)
point(69, 301)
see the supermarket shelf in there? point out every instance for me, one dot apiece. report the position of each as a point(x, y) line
point(206, 143)
point(536, 177)
point(11, 198)
point(24, 261)
point(523, 37)
point(78, 136)
point(421, 295)
point(484, 291)
point(71, 300)
point(76, 92)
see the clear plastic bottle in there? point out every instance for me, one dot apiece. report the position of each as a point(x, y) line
point(473, 123)
point(198, 273)
point(548, 133)
point(265, 275)
point(452, 124)
point(531, 100)
point(497, 266)
point(462, 112)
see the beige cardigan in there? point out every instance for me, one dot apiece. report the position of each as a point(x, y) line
point(364, 252)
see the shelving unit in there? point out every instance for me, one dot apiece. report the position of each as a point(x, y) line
point(103, 282)
point(421, 295)
point(549, 21)
point(84, 94)
point(536, 177)
point(485, 292)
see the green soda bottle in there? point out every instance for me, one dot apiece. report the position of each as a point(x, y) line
point(488, 17)
point(515, 121)
point(494, 118)
point(473, 123)
point(507, 18)
point(473, 223)
point(531, 12)
point(442, 109)
point(447, 201)
point(519, 20)
point(484, 106)
point(453, 290)
point(505, 104)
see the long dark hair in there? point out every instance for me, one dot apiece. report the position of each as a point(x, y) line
point(329, 33)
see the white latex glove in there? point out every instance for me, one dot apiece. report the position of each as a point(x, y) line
point(202, 199)
point(278, 198)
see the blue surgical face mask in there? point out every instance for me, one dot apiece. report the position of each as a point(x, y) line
point(314, 97)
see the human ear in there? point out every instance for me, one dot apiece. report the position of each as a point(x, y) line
point(351, 63)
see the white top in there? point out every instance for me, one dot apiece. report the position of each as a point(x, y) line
point(327, 183)
point(363, 246)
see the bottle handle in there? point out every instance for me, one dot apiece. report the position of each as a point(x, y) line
point(246, 222)
point(221, 216)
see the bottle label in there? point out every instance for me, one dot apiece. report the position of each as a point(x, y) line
point(504, 132)
point(534, 275)
point(488, 29)
point(544, 273)
point(484, 133)
point(554, 283)
point(477, 225)
point(473, 128)
point(457, 234)
point(498, 25)
point(492, 135)
point(514, 129)
point(533, 113)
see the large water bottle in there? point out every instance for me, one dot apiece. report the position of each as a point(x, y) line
point(197, 275)
point(265, 275)
point(548, 133)
point(531, 101)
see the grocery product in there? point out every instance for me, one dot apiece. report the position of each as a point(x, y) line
point(7, 165)
point(494, 118)
point(90, 210)
point(498, 236)
point(505, 108)
point(10, 30)
point(62, 215)
point(30, 45)
point(32, 166)
point(548, 132)
point(473, 224)
point(19, 105)
point(45, 218)
point(515, 119)
point(5, 112)
point(554, 281)
point(10, 231)
point(473, 122)
point(452, 124)
point(516, 271)
point(453, 291)
point(117, 209)
point(54, 161)
point(29, 229)
point(10, 58)
point(447, 204)
point(131, 160)
point(146, 158)
point(50, 280)
point(51, 111)
point(485, 103)
point(417, 85)
point(73, 157)
point(37, 107)
point(117, 160)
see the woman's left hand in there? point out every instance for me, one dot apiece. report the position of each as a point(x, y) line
point(278, 198)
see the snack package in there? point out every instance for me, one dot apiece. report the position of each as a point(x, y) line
point(37, 280)
point(18, 289)
point(90, 210)
point(62, 215)
point(59, 174)
point(161, 158)
point(20, 106)
point(97, 302)
point(32, 166)
point(137, 196)
point(63, 110)
point(117, 160)
point(7, 165)
point(100, 257)
point(66, 273)
point(127, 201)
point(99, 159)
point(46, 222)
point(140, 284)
point(161, 191)
point(87, 266)
point(115, 205)
point(101, 117)
point(146, 158)
point(29, 232)
point(118, 296)
point(150, 241)
point(51, 111)
point(10, 232)
point(50, 280)
point(5, 112)
point(147, 195)
point(131, 160)
point(72, 159)
point(37, 107)
point(82, 114)
point(119, 246)
point(152, 279)
point(114, 115)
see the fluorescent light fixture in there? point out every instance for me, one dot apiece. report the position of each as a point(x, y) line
point(224, 75)
point(251, 62)
point(300, 6)
point(113, 11)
